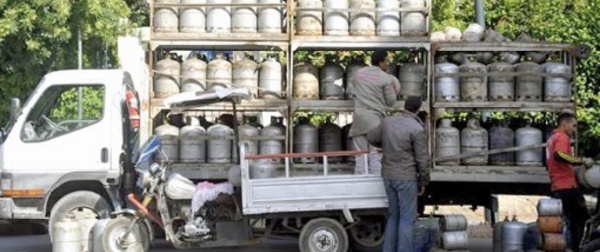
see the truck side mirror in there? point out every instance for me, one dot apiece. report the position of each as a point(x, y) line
point(15, 106)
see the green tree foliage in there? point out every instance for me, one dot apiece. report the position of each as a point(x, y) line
point(553, 20)
point(38, 36)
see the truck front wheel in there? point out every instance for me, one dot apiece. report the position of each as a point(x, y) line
point(82, 204)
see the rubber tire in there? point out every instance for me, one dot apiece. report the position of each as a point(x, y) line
point(77, 199)
point(358, 246)
point(330, 225)
point(140, 231)
point(592, 246)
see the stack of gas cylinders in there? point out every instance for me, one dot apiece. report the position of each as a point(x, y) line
point(265, 80)
point(213, 143)
point(473, 137)
point(505, 76)
point(325, 138)
point(550, 225)
point(454, 235)
point(220, 18)
point(337, 20)
point(333, 81)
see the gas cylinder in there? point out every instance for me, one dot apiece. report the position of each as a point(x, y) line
point(501, 136)
point(455, 240)
point(67, 235)
point(447, 88)
point(550, 224)
point(244, 19)
point(510, 57)
point(529, 82)
point(580, 172)
point(447, 140)
point(270, 79)
point(309, 23)
point(330, 139)
point(453, 222)
point(459, 57)
point(553, 242)
point(592, 176)
point(192, 19)
point(219, 73)
point(306, 84)
point(218, 19)
point(306, 139)
point(351, 68)
point(411, 77)
point(336, 22)
point(473, 33)
point(362, 23)
point(437, 36)
point(474, 138)
point(473, 88)
point(501, 88)
point(219, 143)
point(557, 88)
point(167, 80)
point(245, 74)
point(485, 57)
point(85, 228)
point(388, 22)
point(261, 169)
point(193, 75)
point(347, 142)
point(513, 233)
point(529, 136)
point(549, 207)
point(248, 135)
point(268, 143)
point(169, 139)
point(192, 143)
point(269, 18)
point(497, 237)
point(413, 22)
point(331, 78)
point(452, 34)
point(166, 19)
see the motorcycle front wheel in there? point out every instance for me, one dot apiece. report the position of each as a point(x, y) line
point(113, 237)
point(591, 246)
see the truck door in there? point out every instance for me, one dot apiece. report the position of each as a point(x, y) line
point(66, 133)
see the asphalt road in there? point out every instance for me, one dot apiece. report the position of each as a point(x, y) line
point(15, 238)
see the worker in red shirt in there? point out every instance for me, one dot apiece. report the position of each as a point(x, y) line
point(560, 161)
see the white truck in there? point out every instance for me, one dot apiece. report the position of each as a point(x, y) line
point(67, 150)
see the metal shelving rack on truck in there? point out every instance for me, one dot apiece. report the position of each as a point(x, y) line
point(349, 208)
point(476, 184)
point(416, 43)
point(236, 42)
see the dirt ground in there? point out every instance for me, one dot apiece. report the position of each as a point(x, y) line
point(523, 207)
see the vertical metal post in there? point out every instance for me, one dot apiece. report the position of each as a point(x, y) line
point(480, 19)
point(80, 66)
point(325, 165)
point(480, 13)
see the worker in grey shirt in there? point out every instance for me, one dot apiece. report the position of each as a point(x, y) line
point(374, 90)
point(405, 172)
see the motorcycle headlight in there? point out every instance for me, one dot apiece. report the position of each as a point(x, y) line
point(154, 168)
point(144, 179)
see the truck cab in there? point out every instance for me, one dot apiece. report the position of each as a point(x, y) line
point(68, 149)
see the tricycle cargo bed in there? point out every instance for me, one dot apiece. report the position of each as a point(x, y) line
point(323, 193)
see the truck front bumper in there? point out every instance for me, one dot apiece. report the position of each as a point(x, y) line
point(6, 208)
